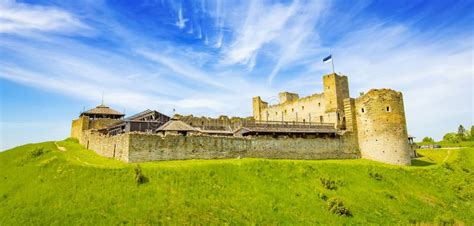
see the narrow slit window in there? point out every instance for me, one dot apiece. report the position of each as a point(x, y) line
point(388, 109)
point(362, 110)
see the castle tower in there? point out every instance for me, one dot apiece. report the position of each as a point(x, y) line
point(96, 118)
point(381, 127)
point(336, 89)
point(258, 105)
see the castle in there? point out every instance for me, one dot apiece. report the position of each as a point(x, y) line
point(327, 125)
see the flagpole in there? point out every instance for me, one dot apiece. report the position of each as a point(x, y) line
point(332, 62)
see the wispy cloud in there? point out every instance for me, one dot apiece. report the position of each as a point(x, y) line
point(263, 23)
point(181, 23)
point(21, 18)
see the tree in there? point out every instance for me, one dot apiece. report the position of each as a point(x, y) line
point(428, 140)
point(472, 132)
point(451, 137)
point(461, 132)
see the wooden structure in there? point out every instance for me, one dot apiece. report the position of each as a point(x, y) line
point(277, 128)
point(145, 121)
point(102, 111)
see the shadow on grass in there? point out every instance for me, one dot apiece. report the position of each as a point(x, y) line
point(421, 162)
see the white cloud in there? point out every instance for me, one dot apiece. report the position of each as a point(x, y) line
point(181, 23)
point(263, 23)
point(20, 18)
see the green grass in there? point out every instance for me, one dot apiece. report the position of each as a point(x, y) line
point(445, 144)
point(78, 187)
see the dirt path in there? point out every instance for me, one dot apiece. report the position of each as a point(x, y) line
point(59, 147)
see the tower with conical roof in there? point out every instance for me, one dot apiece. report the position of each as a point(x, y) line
point(97, 118)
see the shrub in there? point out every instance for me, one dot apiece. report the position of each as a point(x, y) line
point(390, 196)
point(442, 220)
point(375, 175)
point(328, 183)
point(448, 166)
point(36, 152)
point(336, 206)
point(323, 196)
point(428, 140)
point(139, 177)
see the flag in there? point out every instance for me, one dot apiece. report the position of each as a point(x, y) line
point(327, 59)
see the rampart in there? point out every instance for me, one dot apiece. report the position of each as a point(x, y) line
point(117, 146)
point(142, 147)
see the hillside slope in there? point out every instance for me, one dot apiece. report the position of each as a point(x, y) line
point(61, 183)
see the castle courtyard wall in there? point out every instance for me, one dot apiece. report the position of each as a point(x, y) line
point(141, 147)
point(108, 146)
point(152, 147)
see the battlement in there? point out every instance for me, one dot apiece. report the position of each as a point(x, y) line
point(286, 96)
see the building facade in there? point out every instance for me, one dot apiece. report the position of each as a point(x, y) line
point(377, 118)
point(325, 107)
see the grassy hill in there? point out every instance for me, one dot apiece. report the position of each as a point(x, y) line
point(61, 183)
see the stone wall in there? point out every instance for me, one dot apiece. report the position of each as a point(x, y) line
point(336, 89)
point(108, 146)
point(381, 127)
point(101, 123)
point(83, 123)
point(326, 107)
point(306, 109)
point(152, 147)
point(78, 126)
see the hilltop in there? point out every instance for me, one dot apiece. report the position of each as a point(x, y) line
point(63, 183)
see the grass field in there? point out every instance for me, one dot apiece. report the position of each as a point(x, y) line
point(74, 186)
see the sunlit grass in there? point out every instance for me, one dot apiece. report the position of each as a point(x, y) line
point(78, 187)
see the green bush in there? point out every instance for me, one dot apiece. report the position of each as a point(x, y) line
point(375, 175)
point(444, 221)
point(448, 166)
point(139, 177)
point(336, 206)
point(328, 183)
point(36, 152)
point(323, 196)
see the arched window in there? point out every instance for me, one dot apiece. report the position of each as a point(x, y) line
point(362, 110)
point(388, 109)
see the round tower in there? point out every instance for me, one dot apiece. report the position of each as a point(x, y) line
point(381, 127)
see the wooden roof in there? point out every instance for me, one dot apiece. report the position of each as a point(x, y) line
point(175, 125)
point(144, 114)
point(282, 127)
point(102, 110)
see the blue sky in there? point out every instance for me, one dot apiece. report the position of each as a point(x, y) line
point(211, 57)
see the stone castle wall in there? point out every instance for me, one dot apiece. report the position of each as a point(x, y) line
point(381, 127)
point(83, 123)
point(78, 126)
point(140, 147)
point(108, 146)
point(326, 107)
